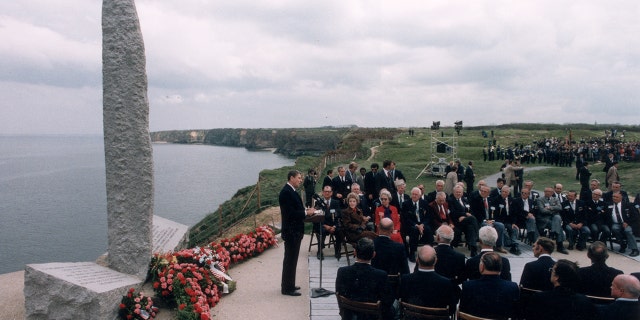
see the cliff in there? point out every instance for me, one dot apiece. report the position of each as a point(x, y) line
point(290, 142)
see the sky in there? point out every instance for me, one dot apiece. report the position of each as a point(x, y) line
point(292, 63)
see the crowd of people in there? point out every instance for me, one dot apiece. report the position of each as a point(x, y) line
point(372, 208)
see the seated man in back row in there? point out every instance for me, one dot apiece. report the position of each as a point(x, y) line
point(364, 283)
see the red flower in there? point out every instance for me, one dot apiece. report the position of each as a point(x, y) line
point(182, 306)
point(122, 306)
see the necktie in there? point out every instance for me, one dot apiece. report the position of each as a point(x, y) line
point(526, 206)
point(506, 206)
point(573, 206)
point(461, 203)
point(618, 216)
point(417, 211)
point(400, 199)
point(486, 208)
point(443, 216)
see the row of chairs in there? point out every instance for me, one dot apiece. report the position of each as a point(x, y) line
point(407, 311)
point(344, 251)
point(410, 311)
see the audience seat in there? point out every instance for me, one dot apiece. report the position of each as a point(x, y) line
point(412, 311)
point(362, 308)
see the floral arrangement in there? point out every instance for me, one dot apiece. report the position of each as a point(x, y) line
point(192, 280)
point(136, 306)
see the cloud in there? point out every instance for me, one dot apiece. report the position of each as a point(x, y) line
point(290, 63)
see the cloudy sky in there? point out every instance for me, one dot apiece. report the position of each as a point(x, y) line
point(293, 63)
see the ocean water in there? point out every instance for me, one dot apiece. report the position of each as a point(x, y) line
point(53, 197)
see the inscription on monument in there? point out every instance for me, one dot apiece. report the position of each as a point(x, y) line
point(88, 274)
point(167, 235)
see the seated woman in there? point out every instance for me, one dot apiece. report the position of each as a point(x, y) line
point(354, 223)
point(386, 210)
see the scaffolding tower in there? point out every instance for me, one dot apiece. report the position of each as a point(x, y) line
point(443, 149)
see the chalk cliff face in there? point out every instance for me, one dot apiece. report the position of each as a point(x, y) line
point(290, 142)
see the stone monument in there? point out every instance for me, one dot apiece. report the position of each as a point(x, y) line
point(86, 290)
point(127, 144)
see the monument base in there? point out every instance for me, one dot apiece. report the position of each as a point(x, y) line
point(74, 290)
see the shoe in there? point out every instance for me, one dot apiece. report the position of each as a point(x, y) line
point(338, 256)
point(515, 250)
point(570, 247)
point(292, 293)
point(623, 248)
point(296, 288)
point(501, 250)
point(320, 256)
point(563, 250)
point(580, 248)
point(634, 253)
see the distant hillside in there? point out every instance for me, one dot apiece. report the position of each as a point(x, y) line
point(293, 142)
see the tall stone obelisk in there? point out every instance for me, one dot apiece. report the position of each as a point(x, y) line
point(127, 144)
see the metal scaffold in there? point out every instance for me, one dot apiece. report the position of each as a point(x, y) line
point(442, 150)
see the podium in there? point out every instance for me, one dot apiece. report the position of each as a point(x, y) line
point(318, 217)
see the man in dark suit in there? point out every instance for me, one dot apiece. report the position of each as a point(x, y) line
point(331, 223)
point(440, 213)
point(439, 187)
point(463, 220)
point(395, 173)
point(292, 213)
point(575, 221)
point(364, 283)
point(414, 222)
point(525, 209)
point(425, 287)
point(621, 216)
point(616, 186)
point(469, 177)
point(626, 290)
point(536, 274)
point(450, 262)
point(399, 196)
point(595, 280)
point(383, 178)
point(505, 215)
point(370, 183)
point(341, 185)
point(488, 237)
point(533, 195)
point(328, 178)
point(490, 296)
point(562, 302)
point(596, 215)
point(390, 255)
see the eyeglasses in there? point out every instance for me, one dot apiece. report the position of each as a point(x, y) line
point(384, 199)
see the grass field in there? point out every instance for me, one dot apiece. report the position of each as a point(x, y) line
point(412, 154)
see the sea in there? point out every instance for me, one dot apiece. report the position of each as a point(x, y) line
point(53, 199)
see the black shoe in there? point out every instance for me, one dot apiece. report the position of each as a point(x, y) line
point(320, 256)
point(634, 253)
point(581, 248)
point(570, 246)
point(563, 250)
point(338, 256)
point(515, 250)
point(292, 293)
point(296, 288)
point(623, 248)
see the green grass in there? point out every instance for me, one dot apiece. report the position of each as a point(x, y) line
point(412, 154)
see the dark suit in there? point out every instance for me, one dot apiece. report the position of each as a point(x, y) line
point(629, 215)
point(620, 310)
point(408, 221)
point(436, 219)
point(577, 215)
point(292, 212)
point(469, 225)
point(429, 289)
point(362, 282)
point(384, 182)
point(450, 263)
point(469, 179)
point(332, 218)
point(490, 297)
point(370, 185)
point(536, 274)
point(395, 199)
point(561, 304)
point(341, 187)
point(597, 220)
point(390, 256)
point(472, 268)
point(596, 279)
point(326, 181)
